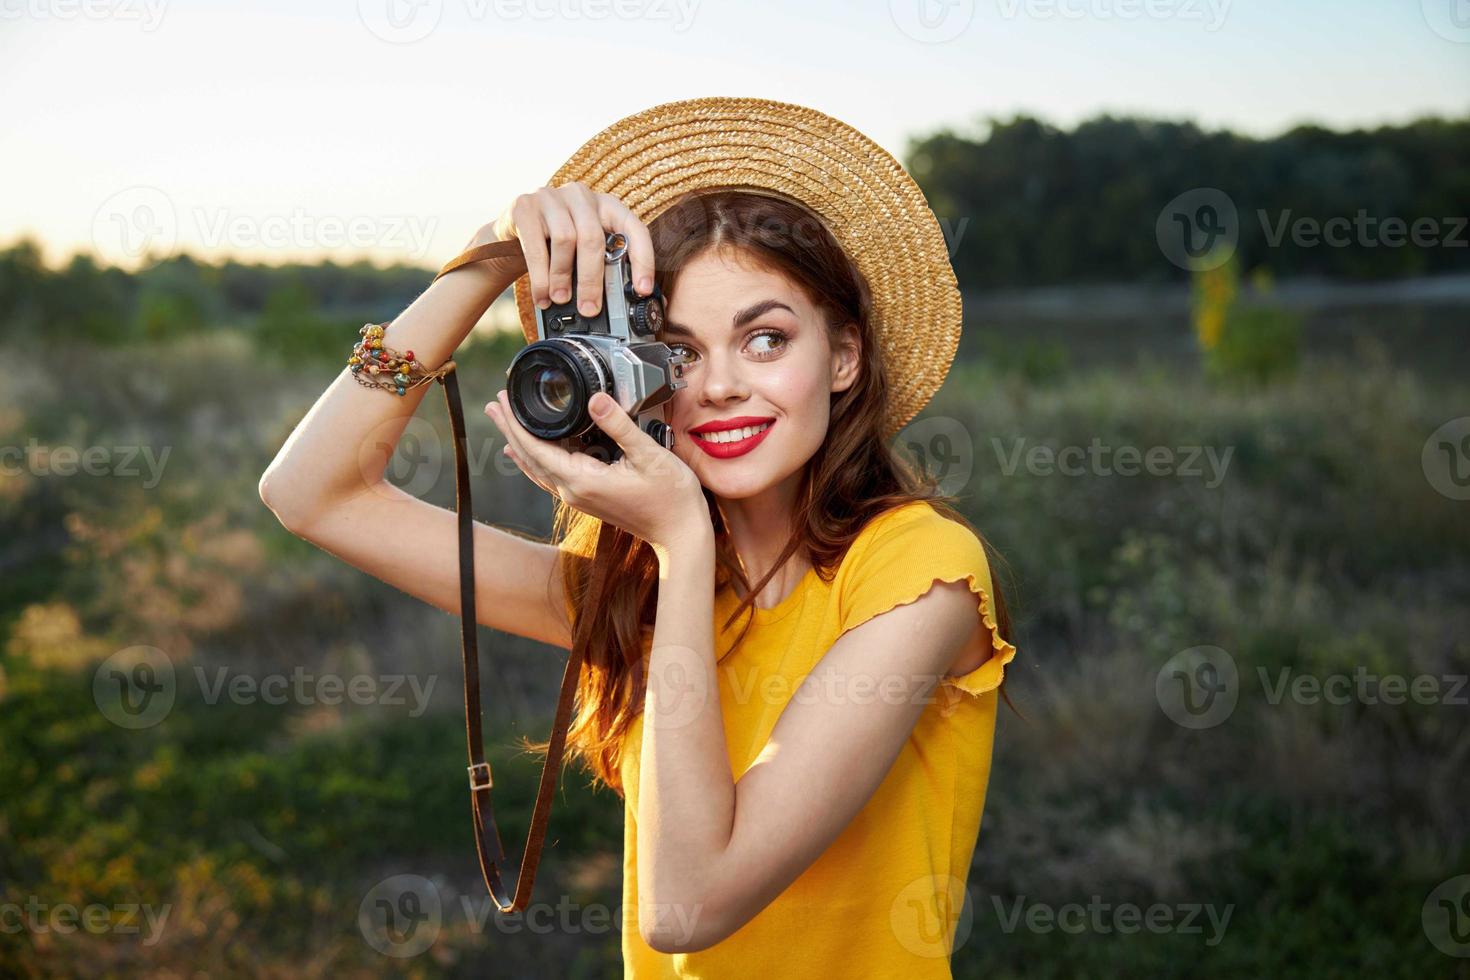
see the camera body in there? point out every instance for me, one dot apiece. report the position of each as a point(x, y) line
point(551, 380)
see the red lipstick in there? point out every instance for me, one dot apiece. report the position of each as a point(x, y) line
point(729, 450)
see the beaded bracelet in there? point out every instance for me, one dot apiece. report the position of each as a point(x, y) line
point(386, 368)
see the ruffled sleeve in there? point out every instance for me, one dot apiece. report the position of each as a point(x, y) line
point(899, 556)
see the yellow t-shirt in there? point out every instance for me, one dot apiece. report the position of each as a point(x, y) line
point(884, 899)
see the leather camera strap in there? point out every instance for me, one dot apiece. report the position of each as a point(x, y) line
point(487, 835)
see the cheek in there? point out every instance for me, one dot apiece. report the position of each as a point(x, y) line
point(791, 387)
point(798, 388)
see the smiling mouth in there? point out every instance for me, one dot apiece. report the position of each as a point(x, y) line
point(729, 443)
point(727, 436)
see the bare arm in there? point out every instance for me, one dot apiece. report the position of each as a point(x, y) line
point(713, 852)
point(327, 483)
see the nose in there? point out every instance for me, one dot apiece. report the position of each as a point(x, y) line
point(721, 380)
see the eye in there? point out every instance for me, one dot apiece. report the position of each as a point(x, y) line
point(767, 343)
point(688, 352)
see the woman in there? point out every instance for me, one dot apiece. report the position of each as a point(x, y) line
point(803, 759)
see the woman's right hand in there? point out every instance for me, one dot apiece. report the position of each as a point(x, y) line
point(561, 225)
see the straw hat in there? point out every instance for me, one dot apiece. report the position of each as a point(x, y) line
point(872, 206)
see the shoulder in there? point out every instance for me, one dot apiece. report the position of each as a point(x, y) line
point(916, 531)
point(902, 551)
point(898, 558)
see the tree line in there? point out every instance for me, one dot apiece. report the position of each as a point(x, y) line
point(1023, 203)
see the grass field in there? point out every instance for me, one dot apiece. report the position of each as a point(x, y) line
point(1292, 526)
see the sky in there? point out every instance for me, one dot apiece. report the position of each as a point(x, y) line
point(393, 129)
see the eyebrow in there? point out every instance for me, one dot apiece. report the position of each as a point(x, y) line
point(672, 329)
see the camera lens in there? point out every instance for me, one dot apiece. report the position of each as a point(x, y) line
point(550, 383)
point(553, 388)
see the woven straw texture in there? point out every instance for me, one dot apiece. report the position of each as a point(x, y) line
point(868, 201)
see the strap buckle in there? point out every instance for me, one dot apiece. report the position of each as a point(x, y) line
point(479, 776)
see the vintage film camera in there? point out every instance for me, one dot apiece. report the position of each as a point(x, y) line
point(551, 380)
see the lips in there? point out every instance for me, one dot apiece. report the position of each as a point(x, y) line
point(727, 438)
point(738, 422)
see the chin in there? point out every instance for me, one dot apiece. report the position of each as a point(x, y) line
point(736, 486)
point(743, 477)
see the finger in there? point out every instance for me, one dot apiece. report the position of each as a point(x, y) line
point(531, 231)
point(591, 248)
point(610, 417)
point(562, 232)
point(549, 463)
point(618, 216)
point(512, 430)
point(498, 413)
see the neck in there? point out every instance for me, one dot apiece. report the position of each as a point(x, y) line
point(759, 528)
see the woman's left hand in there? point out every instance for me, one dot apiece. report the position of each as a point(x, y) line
point(649, 491)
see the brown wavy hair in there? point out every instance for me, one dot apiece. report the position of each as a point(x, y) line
point(611, 576)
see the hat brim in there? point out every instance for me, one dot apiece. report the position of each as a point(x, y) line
point(874, 209)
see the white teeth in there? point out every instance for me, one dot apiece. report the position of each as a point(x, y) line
point(733, 435)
